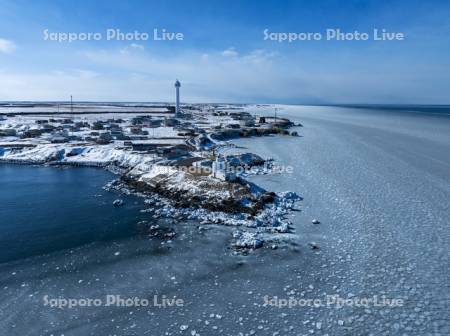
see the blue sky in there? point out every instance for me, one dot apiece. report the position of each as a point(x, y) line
point(223, 56)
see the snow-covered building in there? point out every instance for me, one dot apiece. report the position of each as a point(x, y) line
point(221, 171)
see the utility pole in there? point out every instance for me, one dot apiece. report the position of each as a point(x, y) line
point(71, 104)
point(276, 110)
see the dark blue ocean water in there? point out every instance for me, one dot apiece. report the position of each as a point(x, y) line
point(436, 110)
point(44, 209)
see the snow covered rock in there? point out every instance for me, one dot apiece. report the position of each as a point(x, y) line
point(247, 240)
point(244, 160)
point(202, 142)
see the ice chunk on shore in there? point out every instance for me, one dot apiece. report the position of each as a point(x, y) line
point(245, 239)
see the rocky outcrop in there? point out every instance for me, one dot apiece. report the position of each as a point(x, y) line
point(188, 191)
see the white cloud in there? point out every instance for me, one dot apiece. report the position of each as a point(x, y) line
point(137, 46)
point(146, 77)
point(259, 55)
point(230, 52)
point(131, 47)
point(7, 46)
point(257, 76)
point(209, 77)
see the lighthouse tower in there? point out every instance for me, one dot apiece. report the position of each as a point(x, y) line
point(177, 106)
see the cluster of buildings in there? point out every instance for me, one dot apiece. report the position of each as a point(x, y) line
point(177, 136)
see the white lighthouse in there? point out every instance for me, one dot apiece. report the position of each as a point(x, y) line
point(177, 106)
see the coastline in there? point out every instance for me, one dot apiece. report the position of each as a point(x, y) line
point(377, 235)
point(186, 189)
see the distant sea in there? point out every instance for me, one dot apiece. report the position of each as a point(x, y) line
point(422, 109)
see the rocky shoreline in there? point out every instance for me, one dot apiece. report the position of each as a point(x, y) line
point(194, 179)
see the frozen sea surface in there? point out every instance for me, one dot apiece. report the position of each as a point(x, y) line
point(377, 181)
